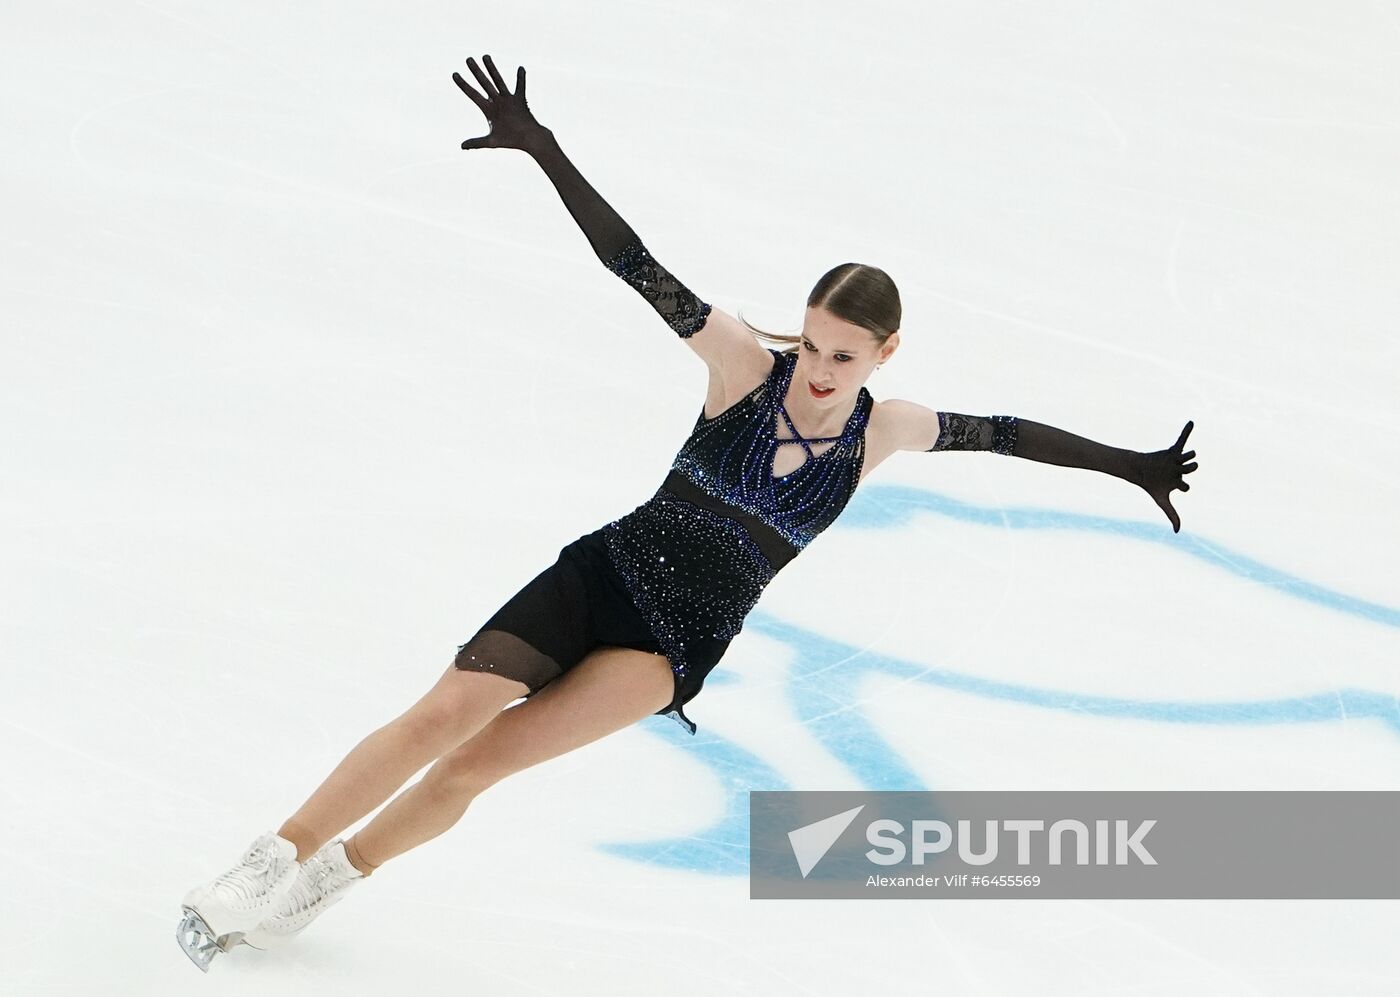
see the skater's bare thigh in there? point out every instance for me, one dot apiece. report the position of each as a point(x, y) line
point(611, 688)
point(459, 703)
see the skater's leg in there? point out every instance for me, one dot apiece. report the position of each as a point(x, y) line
point(611, 688)
point(453, 710)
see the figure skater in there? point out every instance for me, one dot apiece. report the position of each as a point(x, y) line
point(630, 618)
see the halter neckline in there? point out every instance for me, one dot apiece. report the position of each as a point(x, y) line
point(805, 440)
point(784, 382)
point(797, 437)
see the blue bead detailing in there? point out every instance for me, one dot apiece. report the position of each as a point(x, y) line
point(696, 569)
point(1004, 434)
point(731, 457)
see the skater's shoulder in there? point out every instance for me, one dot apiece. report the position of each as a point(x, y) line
point(903, 425)
point(729, 349)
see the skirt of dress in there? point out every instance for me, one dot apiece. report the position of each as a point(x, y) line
point(575, 605)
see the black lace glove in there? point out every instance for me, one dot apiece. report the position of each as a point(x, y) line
point(1158, 473)
point(513, 126)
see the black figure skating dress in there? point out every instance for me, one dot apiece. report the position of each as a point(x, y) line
point(680, 572)
point(696, 556)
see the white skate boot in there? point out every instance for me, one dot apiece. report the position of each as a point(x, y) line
point(218, 913)
point(324, 880)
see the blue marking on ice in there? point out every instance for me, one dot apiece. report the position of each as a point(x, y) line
point(889, 506)
point(826, 674)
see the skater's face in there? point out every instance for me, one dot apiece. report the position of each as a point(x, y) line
point(837, 354)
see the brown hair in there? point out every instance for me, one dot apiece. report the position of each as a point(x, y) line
point(853, 292)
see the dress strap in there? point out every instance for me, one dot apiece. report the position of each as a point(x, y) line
point(798, 438)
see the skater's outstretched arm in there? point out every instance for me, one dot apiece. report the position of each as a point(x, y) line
point(513, 126)
point(1158, 473)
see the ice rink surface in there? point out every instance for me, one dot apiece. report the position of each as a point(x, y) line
point(296, 392)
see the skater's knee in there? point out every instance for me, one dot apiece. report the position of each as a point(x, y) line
point(463, 773)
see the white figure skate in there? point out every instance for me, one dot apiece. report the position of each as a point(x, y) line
point(324, 880)
point(217, 914)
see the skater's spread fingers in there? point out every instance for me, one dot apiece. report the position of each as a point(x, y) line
point(466, 89)
point(481, 79)
point(491, 67)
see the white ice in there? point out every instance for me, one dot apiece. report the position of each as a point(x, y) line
point(295, 393)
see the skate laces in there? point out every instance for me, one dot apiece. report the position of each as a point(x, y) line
point(247, 879)
point(318, 879)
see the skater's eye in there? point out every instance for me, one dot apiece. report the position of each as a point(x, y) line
point(843, 357)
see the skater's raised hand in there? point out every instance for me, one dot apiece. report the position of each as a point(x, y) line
point(512, 124)
point(1160, 473)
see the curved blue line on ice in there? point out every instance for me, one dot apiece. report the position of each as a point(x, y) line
point(826, 674)
point(889, 506)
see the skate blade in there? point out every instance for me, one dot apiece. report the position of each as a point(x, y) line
point(198, 941)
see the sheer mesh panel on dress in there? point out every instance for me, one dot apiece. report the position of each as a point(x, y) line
point(502, 653)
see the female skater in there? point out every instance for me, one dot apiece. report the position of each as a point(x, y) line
point(631, 618)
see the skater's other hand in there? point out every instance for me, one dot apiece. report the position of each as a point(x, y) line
point(1160, 473)
point(512, 124)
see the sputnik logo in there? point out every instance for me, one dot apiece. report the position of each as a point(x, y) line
point(812, 841)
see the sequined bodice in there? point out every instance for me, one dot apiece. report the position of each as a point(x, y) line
point(697, 555)
point(730, 458)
